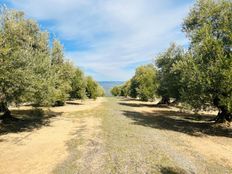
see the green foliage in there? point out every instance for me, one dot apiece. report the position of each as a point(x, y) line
point(57, 53)
point(78, 85)
point(62, 72)
point(144, 82)
point(142, 85)
point(200, 77)
point(21, 48)
point(207, 70)
point(126, 89)
point(116, 91)
point(100, 91)
point(133, 92)
point(169, 79)
point(122, 90)
point(31, 71)
point(42, 89)
point(93, 90)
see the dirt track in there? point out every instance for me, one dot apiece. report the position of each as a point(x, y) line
point(40, 150)
point(119, 136)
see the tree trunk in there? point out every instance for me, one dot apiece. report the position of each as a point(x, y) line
point(165, 100)
point(4, 108)
point(223, 114)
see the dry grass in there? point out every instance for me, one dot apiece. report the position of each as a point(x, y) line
point(35, 142)
point(116, 136)
point(191, 134)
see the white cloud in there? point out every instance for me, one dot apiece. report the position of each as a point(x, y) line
point(119, 33)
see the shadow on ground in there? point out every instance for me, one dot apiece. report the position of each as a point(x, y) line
point(26, 120)
point(172, 170)
point(165, 119)
point(73, 103)
point(144, 105)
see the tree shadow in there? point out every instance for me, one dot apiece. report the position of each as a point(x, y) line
point(144, 105)
point(128, 99)
point(172, 170)
point(73, 103)
point(191, 124)
point(26, 120)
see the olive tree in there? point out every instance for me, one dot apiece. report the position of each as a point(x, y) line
point(21, 49)
point(207, 70)
point(93, 89)
point(62, 73)
point(144, 83)
point(31, 71)
point(116, 91)
point(78, 84)
point(169, 80)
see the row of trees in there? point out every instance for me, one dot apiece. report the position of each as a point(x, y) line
point(141, 85)
point(200, 76)
point(32, 71)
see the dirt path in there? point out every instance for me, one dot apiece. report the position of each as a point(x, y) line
point(85, 148)
point(193, 145)
point(35, 152)
point(136, 137)
point(213, 147)
point(119, 136)
point(40, 150)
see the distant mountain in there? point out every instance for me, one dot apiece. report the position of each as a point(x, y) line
point(108, 85)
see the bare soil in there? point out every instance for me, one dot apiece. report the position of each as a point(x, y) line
point(193, 141)
point(115, 136)
point(39, 149)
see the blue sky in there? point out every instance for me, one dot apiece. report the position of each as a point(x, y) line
point(108, 39)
